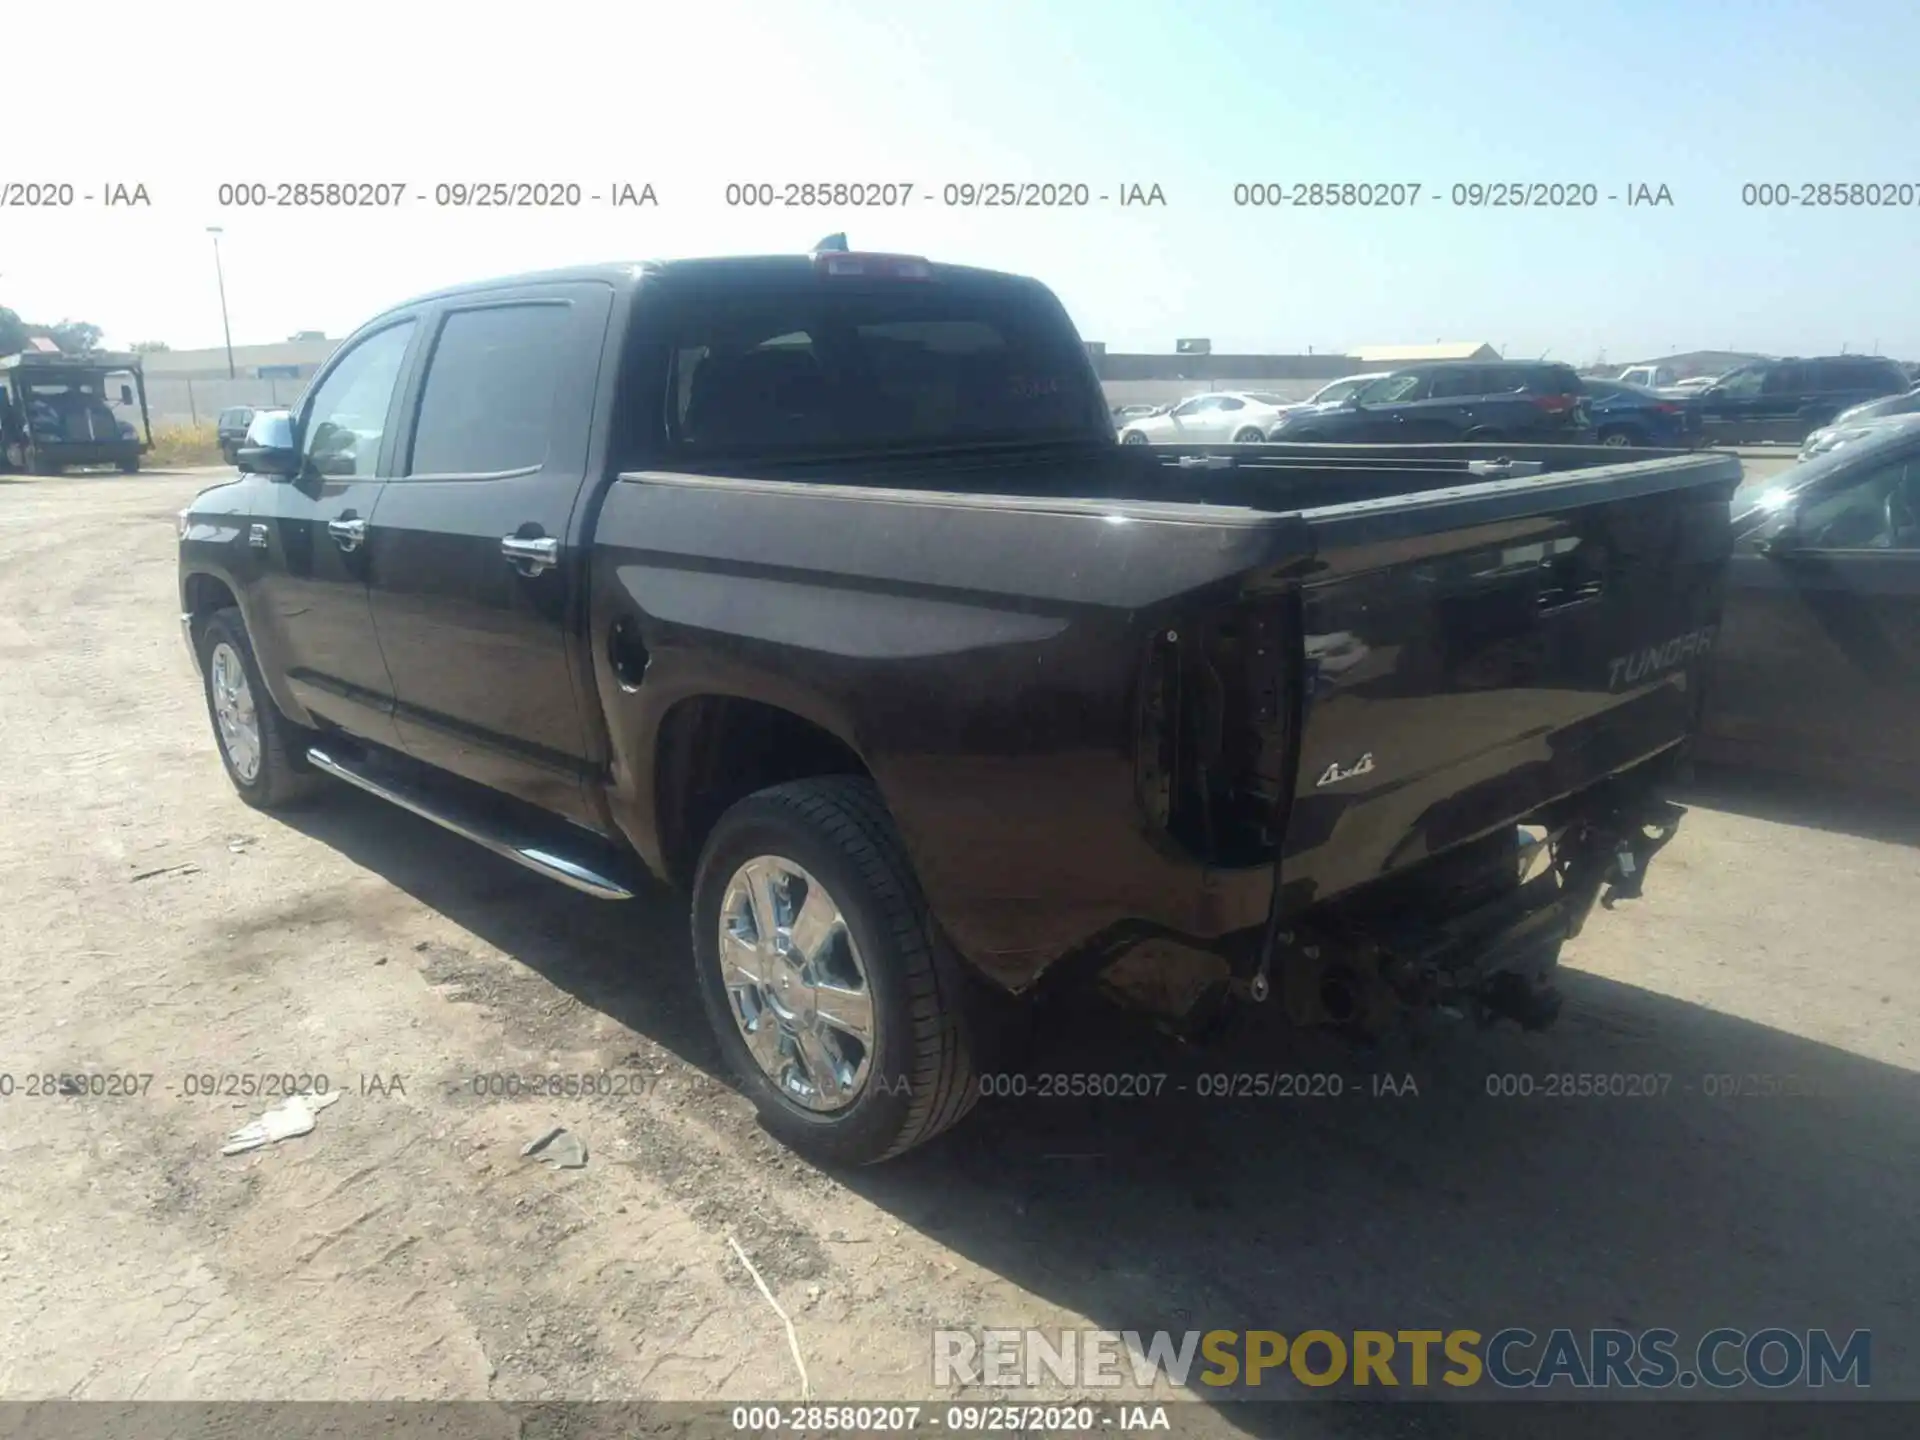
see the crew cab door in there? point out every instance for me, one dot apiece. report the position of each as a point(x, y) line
point(1819, 660)
point(309, 616)
point(478, 564)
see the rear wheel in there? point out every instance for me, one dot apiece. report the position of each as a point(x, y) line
point(1620, 437)
point(1249, 436)
point(832, 996)
point(263, 751)
point(130, 467)
point(1133, 437)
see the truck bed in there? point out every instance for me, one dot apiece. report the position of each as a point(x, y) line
point(1147, 686)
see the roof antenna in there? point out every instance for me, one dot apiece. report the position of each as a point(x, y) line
point(837, 241)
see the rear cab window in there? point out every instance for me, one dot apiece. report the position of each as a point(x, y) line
point(798, 363)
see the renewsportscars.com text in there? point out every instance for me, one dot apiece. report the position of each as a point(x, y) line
point(1510, 1359)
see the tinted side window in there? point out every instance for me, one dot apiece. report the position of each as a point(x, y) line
point(347, 417)
point(487, 407)
point(1788, 379)
point(1397, 389)
point(1228, 402)
point(1458, 382)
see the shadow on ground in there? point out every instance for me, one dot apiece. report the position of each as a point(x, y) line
point(1814, 804)
point(1762, 1179)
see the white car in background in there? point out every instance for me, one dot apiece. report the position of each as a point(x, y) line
point(1243, 416)
point(1692, 385)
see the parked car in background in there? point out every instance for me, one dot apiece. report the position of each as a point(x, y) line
point(1649, 377)
point(1334, 392)
point(1818, 656)
point(1240, 415)
point(1628, 415)
point(1845, 432)
point(1787, 400)
point(1907, 404)
point(230, 427)
point(1454, 400)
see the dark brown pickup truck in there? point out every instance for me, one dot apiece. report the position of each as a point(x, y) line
point(821, 586)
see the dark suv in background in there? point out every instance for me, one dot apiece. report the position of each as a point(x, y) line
point(231, 428)
point(1786, 400)
point(1454, 400)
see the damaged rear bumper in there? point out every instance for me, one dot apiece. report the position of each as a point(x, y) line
point(1369, 963)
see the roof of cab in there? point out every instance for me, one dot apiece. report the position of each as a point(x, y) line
point(626, 275)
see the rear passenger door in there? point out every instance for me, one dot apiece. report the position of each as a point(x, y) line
point(476, 583)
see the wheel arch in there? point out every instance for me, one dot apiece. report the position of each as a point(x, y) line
point(714, 748)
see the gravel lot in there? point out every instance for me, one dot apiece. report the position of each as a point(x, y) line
point(405, 1249)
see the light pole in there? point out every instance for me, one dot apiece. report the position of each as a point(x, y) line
point(220, 275)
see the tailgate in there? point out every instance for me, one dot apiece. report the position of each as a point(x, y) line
point(1496, 647)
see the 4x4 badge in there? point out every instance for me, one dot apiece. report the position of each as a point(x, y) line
point(1334, 773)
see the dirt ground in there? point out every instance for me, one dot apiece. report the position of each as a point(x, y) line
point(404, 1249)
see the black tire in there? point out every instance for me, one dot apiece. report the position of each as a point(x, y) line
point(1249, 436)
point(130, 467)
point(921, 1078)
point(1132, 437)
point(1620, 435)
point(42, 466)
point(284, 778)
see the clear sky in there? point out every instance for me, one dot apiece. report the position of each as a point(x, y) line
point(1699, 95)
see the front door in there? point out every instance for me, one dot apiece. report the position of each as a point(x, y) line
point(311, 620)
point(1735, 407)
point(476, 569)
point(1819, 665)
point(1390, 414)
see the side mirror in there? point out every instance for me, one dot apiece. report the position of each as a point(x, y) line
point(269, 448)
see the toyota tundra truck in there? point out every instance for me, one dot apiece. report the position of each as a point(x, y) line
point(820, 586)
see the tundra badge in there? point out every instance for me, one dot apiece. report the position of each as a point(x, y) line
point(1334, 773)
point(1644, 664)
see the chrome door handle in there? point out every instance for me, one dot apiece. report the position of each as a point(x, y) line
point(530, 557)
point(347, 534)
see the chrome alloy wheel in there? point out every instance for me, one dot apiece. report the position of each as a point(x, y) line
point(796, 984)
point(234, 712)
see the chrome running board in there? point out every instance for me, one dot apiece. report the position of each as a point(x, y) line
point(537, 858)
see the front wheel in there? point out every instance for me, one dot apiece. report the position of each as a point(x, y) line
point(264, 752)
point(831, 994)
point(1133, 437)
point(1249, 436)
